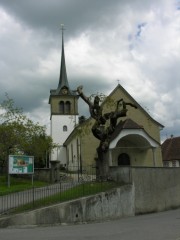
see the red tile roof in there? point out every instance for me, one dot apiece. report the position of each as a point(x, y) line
point(171, 149)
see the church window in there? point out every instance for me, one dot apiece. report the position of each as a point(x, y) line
point(61, 107)
point(67, 107)
point(72, 153)
point(68, 156)
point(64, 128)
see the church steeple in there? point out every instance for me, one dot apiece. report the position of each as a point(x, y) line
point(63, 100)
point(63, 111)
point(63, 80)
point(63, 85)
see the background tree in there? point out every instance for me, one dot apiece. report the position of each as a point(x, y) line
point(20, 135)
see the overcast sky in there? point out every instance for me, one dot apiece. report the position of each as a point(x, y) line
point(134, 41)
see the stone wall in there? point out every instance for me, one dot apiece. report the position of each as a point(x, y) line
point(42, 174)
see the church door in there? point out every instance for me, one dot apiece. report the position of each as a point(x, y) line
point(123, 159)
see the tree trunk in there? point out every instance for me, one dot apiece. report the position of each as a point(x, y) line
point(102, 165)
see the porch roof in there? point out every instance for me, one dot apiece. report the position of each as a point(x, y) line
point(132, 132)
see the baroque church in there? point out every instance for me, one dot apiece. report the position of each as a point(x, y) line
point(135, 142)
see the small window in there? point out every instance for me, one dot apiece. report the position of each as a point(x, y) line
point(64, 128)
point(72, 153)
point(61, 107)
point(67, 107)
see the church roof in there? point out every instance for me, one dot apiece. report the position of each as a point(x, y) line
point(137, 104)
point(63, 80)
point(133, 131)
point(171, 149)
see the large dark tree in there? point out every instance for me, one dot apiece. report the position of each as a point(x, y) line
point(104, 127)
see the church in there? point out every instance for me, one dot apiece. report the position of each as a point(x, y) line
point(135, 142)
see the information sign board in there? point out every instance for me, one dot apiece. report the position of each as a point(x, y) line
point(20, 164)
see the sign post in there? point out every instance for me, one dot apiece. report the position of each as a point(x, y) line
point(20, 164)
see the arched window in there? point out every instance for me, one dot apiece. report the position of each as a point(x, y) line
point(67, 107)
point(123, 159)
point(61, 107)
point(72, 153)
point(64, 128)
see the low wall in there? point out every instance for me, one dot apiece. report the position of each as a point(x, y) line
point(112, 204)
point(121, 174)
point(147, 190)
point(42, 174)
point(156, 189)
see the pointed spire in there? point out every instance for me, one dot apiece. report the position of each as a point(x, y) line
point(63, 81)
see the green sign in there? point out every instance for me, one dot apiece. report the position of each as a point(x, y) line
point(20, 164)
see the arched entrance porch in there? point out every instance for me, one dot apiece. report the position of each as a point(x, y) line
point(133, 147)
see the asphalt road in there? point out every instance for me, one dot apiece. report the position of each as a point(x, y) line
point(159, 226)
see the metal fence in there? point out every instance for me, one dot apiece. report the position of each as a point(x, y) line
point(62, 190)
point(15, 200)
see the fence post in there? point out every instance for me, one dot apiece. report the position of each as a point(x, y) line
point(33, 196)
point(83, 188)
point(60, 189)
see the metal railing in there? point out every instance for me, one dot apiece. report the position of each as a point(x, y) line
point(30, 196)
point(62, 190)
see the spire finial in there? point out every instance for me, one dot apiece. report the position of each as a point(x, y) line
point(62, 28)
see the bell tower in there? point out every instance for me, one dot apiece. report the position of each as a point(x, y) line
point(63, 111)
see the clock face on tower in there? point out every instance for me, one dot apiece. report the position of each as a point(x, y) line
point(64, 91)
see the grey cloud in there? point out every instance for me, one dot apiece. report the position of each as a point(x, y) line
point(40, 22)
point(77, 15)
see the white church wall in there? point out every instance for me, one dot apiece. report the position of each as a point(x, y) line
point(73, 149)
point(61, 128)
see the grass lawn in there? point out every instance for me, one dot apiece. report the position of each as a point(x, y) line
point(17, 184)
point(70, 194)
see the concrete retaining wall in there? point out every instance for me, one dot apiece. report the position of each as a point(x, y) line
point(121, 174)
point(147, 190)
point(113, 204)
point(156, 189)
